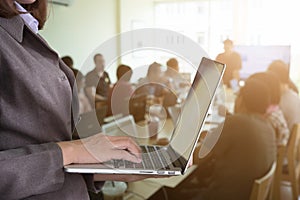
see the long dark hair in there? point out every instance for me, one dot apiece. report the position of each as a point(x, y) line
point(38, 9)
point(255, 96)
point(272, 82)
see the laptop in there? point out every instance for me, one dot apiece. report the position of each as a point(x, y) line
point(172, 159)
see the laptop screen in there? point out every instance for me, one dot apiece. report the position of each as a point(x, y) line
point(196, 107)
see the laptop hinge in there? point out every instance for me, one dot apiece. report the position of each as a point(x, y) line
point(177, 159)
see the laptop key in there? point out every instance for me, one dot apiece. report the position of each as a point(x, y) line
point(119, 163)
point(164, 161)
point(143, 148)
point(151, 149)
point(156, 161)
point(129, 164)
point(146, 161)
point(122, 164)
point(116, 165)
point(154, 157)
point(109, 163)
point(138, 165)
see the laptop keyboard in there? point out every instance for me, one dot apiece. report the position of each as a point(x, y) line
point(152, 158)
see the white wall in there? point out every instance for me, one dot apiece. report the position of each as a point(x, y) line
point(79, 29)
point(136, 14)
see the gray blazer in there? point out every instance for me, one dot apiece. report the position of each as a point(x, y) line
point(35, 112)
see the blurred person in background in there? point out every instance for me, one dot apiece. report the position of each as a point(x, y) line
point(173, 76)
point(274, 113)
point(289, 100)
point(70, 63)
point(84, 103)
point(119, 94)
point(158, 85)
point(244, 152)
point(233, 63)
point(172, 68)
point(154, 83)
point(97, 81)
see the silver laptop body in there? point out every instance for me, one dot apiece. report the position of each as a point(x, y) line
point(172, 159)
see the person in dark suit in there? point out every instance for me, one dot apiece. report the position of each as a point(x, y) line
point(38, 111)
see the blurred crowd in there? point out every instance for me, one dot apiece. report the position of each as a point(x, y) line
point(266, 109)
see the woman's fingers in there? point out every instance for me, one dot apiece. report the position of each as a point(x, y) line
point(101, 148)
point(127, 144)
point(125, 155)
point(125, 138)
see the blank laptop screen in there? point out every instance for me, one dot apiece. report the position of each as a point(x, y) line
point(196, 106)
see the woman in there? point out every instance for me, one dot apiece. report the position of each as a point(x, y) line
point(274, 113)
point(36, 109)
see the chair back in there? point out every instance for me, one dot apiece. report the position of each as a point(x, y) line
point(293, 146)
point(290, 153)
point(261, 187)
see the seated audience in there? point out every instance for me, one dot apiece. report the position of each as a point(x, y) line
point(172, 68)
point(157, 85)
point(154, 83)
point(176, 81)
point(274, 113)
point(172, 73)
point(97, 81)
point(289, 101)
point(244, 152)
point(119, 95)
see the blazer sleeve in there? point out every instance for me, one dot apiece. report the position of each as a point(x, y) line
point(32, 170)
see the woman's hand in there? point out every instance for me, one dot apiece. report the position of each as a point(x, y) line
point(100, 148)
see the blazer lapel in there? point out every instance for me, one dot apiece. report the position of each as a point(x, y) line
point(14, 26)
